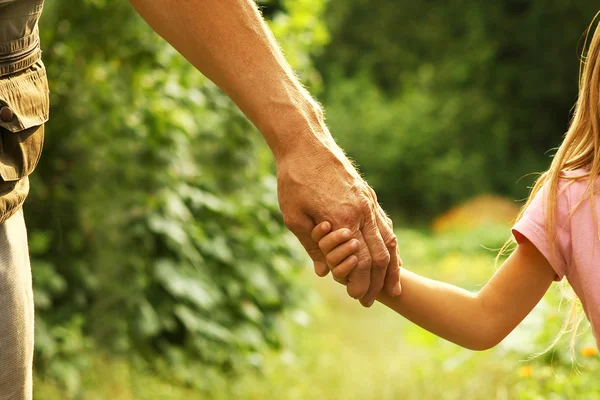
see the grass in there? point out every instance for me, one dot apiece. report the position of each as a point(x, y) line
point(335, 349)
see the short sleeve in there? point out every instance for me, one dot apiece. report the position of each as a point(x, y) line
point(532, 226)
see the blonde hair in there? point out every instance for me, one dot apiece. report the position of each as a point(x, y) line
point(579, 150)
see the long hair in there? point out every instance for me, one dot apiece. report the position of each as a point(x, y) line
point(578, 151)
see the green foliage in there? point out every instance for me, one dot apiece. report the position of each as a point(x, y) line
point(153, 217)
point(438, 101)
point(155, 235)
point(403, 145)
point(343, 351)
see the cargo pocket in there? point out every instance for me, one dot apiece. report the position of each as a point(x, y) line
point(24, 108)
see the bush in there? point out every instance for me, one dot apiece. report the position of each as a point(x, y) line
point(153, 218)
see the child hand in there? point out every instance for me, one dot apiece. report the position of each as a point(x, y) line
point(339, 248)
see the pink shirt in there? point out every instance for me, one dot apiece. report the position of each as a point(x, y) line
point(576, 252)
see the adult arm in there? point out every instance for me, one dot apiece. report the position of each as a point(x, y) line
point(228, 41)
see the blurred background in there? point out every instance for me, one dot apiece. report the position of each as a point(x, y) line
point(161, 266)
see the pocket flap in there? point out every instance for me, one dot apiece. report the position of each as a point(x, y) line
point(27, 96)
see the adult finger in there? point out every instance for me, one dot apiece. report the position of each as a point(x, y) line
point(392, 278)
point(379, 255)
point(360, 276)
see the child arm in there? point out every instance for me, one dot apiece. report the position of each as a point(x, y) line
point(477, 321)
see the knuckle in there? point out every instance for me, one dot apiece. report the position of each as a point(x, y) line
point(372, 193)
point(391, 242)
point(364, 206)
point(346, 218)
point(364, 265)
point(389, 222)
point(381, 261)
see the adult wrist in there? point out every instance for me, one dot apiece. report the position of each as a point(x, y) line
point(297, 131)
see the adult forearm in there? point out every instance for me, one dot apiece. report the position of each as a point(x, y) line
point(445, 310)
point(229, 42)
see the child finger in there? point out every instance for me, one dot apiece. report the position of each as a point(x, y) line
point(320, 231)
point(334, 239)
point(343, 269)
point(341, 252)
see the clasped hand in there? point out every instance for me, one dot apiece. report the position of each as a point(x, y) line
point(320, 184)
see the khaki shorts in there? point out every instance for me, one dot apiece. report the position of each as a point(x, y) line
point(16, 311)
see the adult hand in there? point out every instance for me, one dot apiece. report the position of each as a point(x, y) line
point(316, 183)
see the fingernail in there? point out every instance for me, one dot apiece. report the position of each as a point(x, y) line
point(354, 244)
point(325, 226)
point(353, 259)
point(397, 290)
point(371, 303)
point(346, 234)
